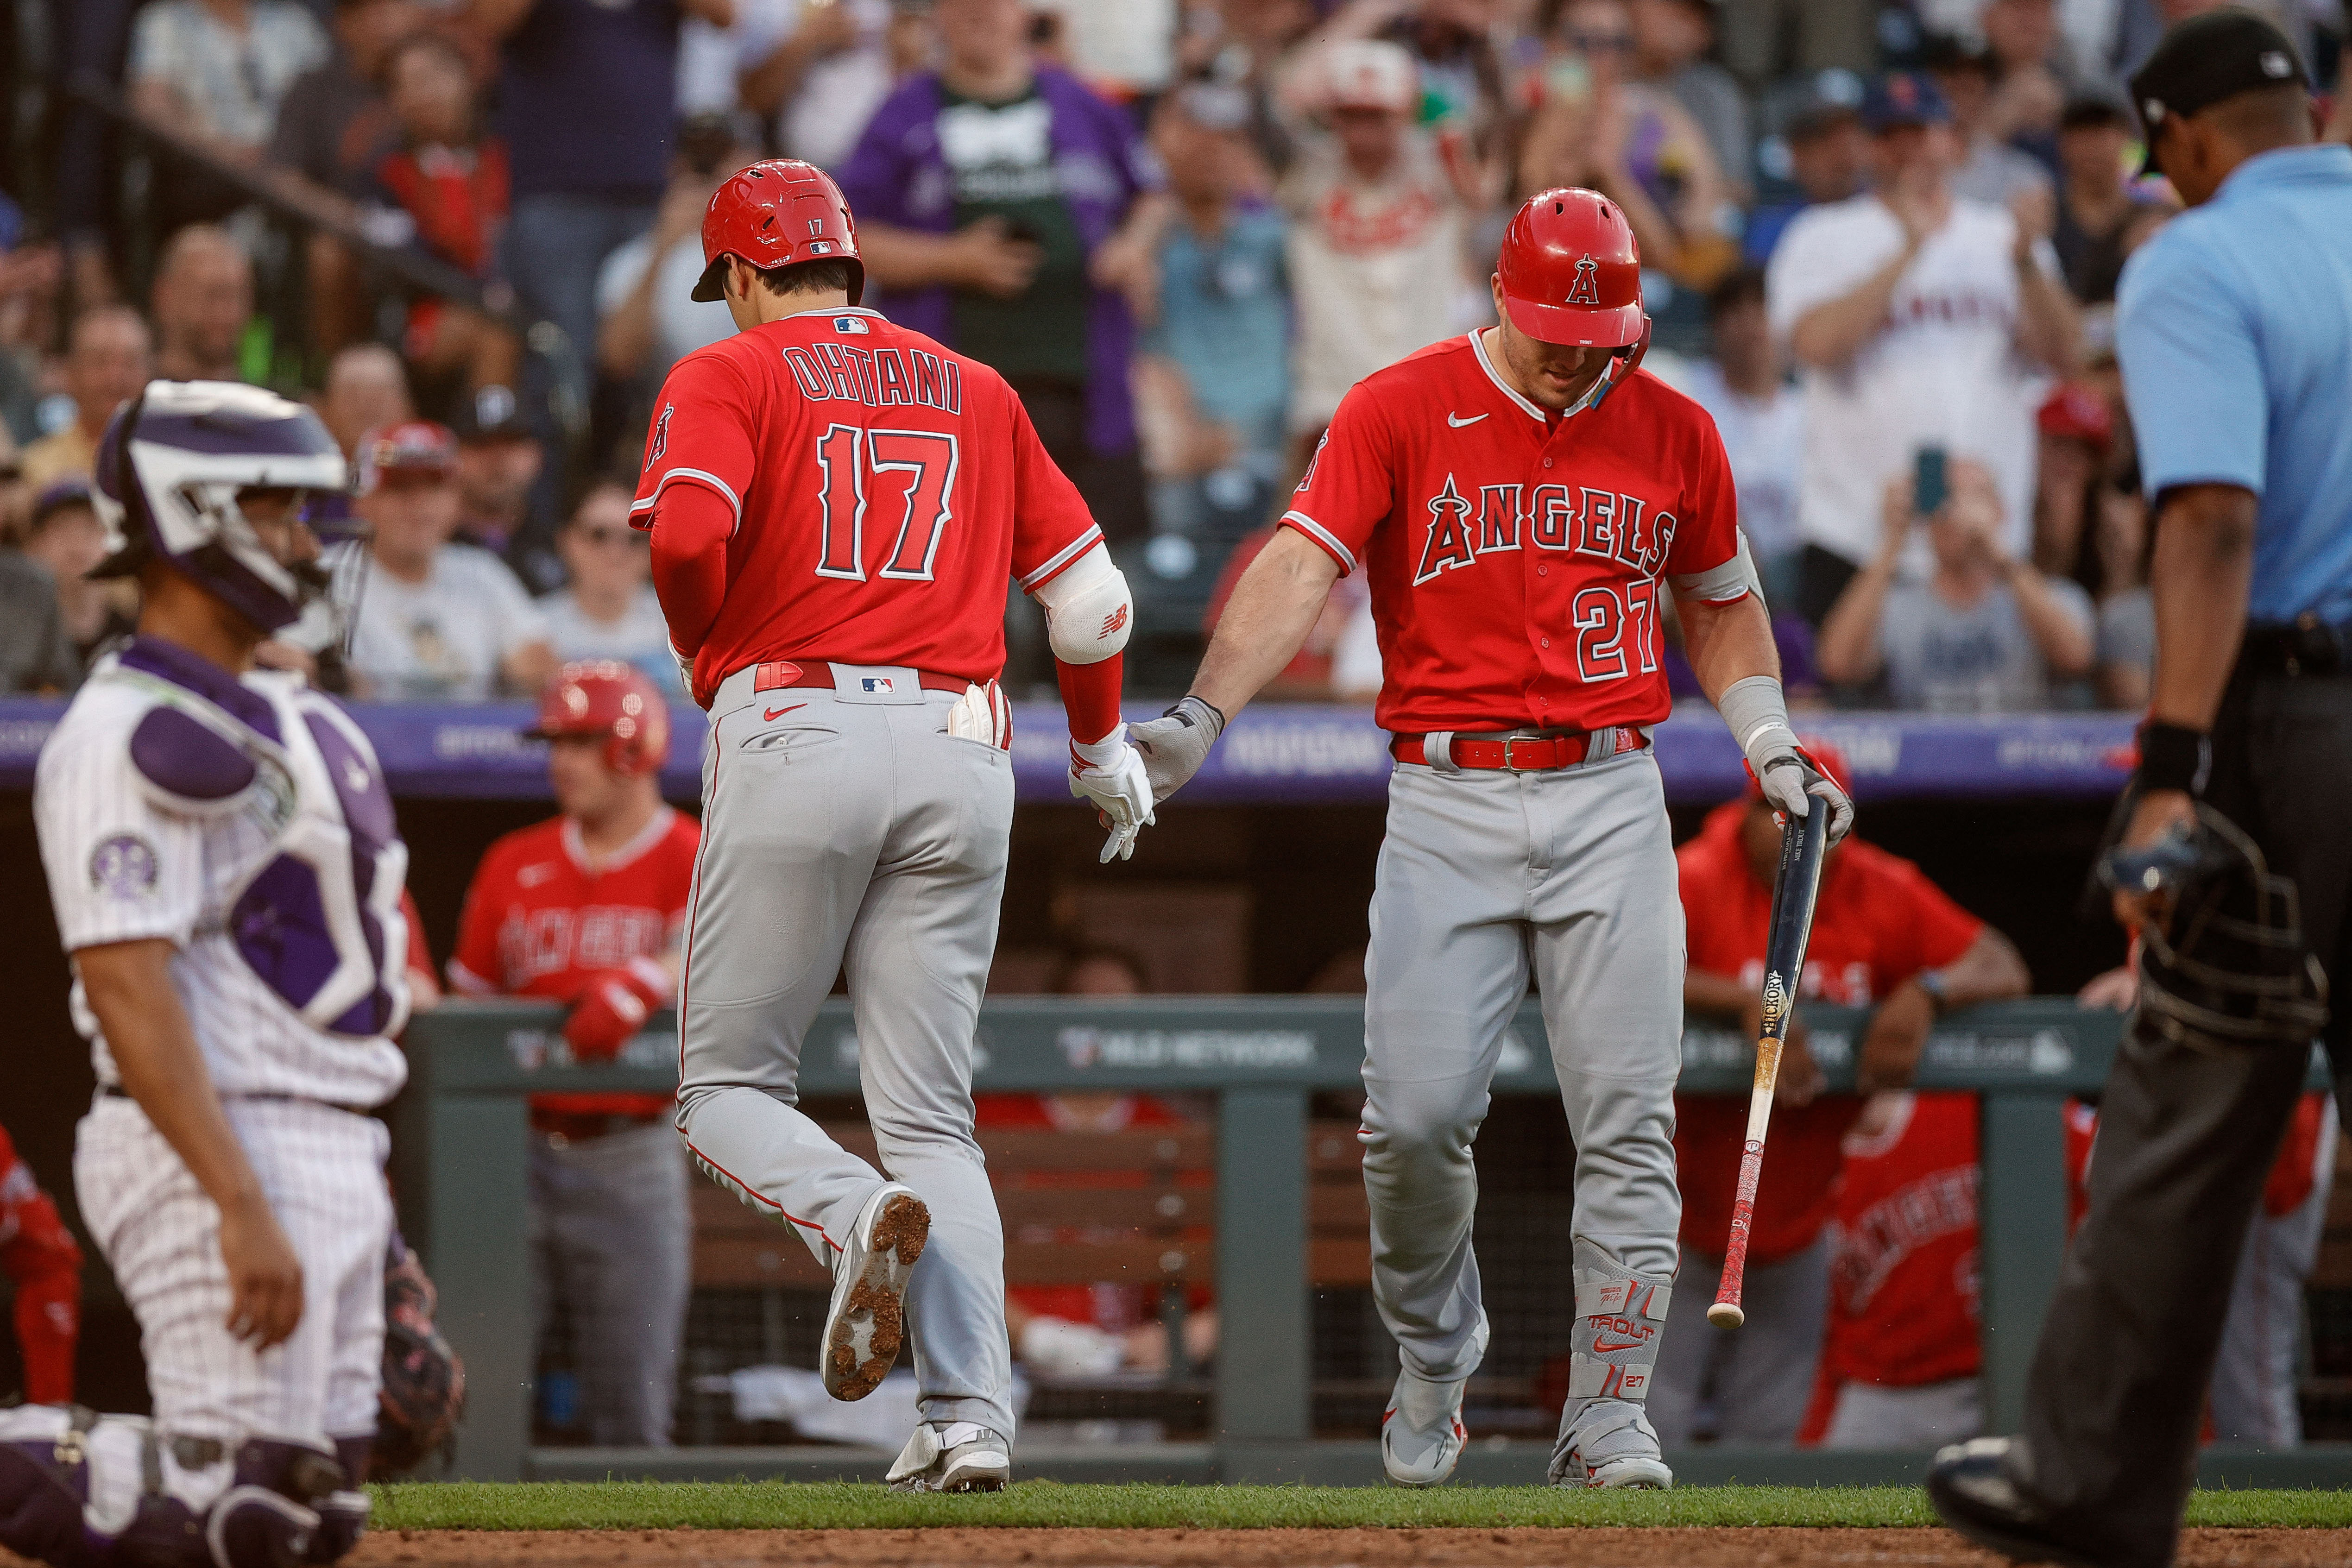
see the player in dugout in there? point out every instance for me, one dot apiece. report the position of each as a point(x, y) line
point(39, 1257)
point(1885, 937)
point(586, 908)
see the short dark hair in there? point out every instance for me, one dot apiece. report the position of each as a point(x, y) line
point(1741, 286)
point(2091, 113)
point(809, 276)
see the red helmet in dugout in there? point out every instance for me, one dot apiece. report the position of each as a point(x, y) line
point(607, 698)
point(774, 213)
point(1571, 273)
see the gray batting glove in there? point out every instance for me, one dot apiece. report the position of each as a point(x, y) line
point(1175, 745)
point(1788, 775)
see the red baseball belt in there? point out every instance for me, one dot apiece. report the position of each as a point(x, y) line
point(1515, 753)
point(786, 674)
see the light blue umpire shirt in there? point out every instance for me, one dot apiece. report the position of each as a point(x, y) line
point(2234, 328)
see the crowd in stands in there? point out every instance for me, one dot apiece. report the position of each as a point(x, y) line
point(1883, 242)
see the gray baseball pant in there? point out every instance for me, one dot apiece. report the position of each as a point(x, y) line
point(2254, 1395)
point(851, 831)
point(613, 1239)
point(1484, 879)
point(1926, 1416)
point(1761, 1374)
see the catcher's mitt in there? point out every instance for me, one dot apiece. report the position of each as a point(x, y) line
point(2222, 961)
point(423, 1391)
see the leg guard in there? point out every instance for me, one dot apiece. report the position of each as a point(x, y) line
point(270, 1517)
point(343, 1512)
point(52, 1507)
point(1604, 1439)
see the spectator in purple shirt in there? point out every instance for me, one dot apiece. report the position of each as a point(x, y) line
point(587, 92)
point(1007, 211)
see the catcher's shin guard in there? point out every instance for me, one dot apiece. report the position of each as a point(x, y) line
point(60, 1502)
point(1604, 1439)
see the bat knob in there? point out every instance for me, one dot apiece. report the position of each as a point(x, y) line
point(1726, 1315)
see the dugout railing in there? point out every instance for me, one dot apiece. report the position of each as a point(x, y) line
point(461, 1164)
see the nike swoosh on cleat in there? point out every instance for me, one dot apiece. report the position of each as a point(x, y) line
point(1457, 422)
point(769, 715)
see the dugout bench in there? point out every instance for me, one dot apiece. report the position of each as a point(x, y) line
point(1272, 1231)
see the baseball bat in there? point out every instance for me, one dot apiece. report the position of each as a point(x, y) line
point(1802, 848)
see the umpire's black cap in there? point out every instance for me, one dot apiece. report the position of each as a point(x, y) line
point(2207, 58)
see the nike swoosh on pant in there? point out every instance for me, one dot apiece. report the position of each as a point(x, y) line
point(769, 715)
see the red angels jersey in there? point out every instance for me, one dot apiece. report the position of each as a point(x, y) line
point(1879, 921)
point(1904, 1283)
point(539, 922)
point(38, 1254)
point(1516, 557)
point(883, 486)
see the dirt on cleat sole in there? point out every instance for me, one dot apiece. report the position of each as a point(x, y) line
point(874, 1304)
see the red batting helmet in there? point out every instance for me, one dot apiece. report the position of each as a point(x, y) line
point(773, 214)
point(1571, 273)
point(607, 698)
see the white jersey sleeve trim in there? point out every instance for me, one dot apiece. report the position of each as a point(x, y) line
point(1062, 558)
point(1324, 537)
point(695, 476)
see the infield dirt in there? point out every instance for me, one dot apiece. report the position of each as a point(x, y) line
point(1580, 1548)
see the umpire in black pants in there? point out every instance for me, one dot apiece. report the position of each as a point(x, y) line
point(2234, 329)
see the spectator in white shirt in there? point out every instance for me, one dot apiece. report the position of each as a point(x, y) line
point(1917, 319)
point(1986, 633)
point(647, 319)
point(438, 620)
point(1761, 422)
point(1376, 255)
point(823, 73)
point(610, 612)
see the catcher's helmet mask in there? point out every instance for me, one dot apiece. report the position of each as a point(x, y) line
point(171, 471)
point(2222, 959)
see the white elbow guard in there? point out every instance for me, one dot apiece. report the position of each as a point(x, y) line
point(1088, 613)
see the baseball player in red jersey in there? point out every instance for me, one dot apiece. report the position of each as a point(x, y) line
point(588, 908)
point(1903, 1348)
point(1518, 498)
point(836, 505)
point(39, 1257)
point(1885, 937)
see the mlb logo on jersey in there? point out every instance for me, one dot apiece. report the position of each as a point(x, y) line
point(854, 325)
point(877, 684)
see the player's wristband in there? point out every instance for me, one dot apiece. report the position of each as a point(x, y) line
point(1758, 714)
point(2172, 757)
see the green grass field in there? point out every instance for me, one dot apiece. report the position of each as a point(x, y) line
point(775, 1505)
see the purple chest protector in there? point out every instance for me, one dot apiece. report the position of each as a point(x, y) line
point(319, 921)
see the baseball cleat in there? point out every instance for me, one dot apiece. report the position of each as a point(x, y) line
point(866, 1323)
point(1975, 1490)
point(1613, 1444)
point(952, 1456)
point(1421, 1431)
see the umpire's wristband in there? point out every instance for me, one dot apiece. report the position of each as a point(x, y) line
point(2172, 757)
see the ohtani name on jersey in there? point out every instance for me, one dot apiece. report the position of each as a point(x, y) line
point(878, 378)
point(1575, 519)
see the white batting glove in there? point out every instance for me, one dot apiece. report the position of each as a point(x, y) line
point(1110, 773)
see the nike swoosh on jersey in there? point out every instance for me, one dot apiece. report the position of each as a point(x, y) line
point(1457, 422)
point(769, 715)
